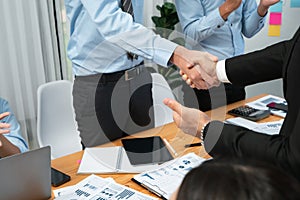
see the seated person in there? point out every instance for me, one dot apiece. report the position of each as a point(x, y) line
point(280, 60)
point(11, 141)
point(236, 179)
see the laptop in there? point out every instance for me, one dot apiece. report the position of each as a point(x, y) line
point(26, 176)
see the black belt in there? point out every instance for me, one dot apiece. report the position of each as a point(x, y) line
point(115, 76)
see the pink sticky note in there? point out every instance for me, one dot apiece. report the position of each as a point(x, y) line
point(275, 18)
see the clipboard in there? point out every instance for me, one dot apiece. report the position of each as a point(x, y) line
point(146, 150)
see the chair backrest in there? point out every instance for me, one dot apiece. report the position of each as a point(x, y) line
point(160, 91)
point(56, 125)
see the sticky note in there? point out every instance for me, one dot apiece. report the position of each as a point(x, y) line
point(295, 3)
point(275, 18)
point(276, 7)
point(274, 30)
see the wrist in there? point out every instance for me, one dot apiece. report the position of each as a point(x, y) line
point(227, 8)
point(262, 10)
point(177, 54)
point(203, 132)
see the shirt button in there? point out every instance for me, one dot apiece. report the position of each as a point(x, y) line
point(230, 24)
point(218, 26)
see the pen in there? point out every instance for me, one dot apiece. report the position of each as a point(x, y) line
point(170, 147)
point(192, 145)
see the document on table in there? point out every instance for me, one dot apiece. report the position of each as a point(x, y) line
point(94, 187)
point(164, 180)
point(270, 128)
point(109, 160)
point(262, 103)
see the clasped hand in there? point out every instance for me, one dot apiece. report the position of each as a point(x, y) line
point(4, 126)
point(197, 68)
point(203, 64)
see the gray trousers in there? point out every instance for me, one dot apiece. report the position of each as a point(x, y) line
point(111, 106)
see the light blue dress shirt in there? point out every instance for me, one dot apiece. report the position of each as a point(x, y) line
point(14, 136)
point(102, 34)
point(206, 30)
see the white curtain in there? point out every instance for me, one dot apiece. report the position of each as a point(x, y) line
point(32, 52)
point(28, 57)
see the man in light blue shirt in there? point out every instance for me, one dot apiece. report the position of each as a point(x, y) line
point(112, 91)
point(219, 27)
point(11, 141)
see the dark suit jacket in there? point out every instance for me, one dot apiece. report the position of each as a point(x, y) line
point(281, 60)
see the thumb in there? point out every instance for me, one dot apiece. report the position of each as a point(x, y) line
point(174, 105)
point(176, 118)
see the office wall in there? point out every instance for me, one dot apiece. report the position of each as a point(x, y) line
point(290, 23)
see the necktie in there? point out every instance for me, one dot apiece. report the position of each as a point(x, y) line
point(127, 6)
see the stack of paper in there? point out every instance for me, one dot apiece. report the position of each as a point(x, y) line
point(95, 187)
point(262, 103)
point(270, 128)
point(164, 180)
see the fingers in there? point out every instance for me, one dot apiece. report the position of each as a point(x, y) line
point(2, 115)
point(184, 77)
point(4, 126)
point(174, 105)
point(188, 81)
point(201, 84)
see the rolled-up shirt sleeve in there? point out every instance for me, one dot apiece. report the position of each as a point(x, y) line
point(14, 136)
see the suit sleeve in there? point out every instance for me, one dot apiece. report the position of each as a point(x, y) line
point(282, 150)
point(229, 140)
point(258, 66)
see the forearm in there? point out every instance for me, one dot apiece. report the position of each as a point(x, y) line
point(262, 10)
point(177, 57)
point(197, 23)
point(228, 7)
point(234, 141)
point(264, 6)
point(252, 22)
point(258, 66)
point(7, 148)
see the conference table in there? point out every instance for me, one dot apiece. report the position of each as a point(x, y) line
point(69, 164)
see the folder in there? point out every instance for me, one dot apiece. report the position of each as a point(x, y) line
point(109, 160)
point(164, 180)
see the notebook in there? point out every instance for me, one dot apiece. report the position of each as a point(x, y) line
point(108, 160)
point(26, 176)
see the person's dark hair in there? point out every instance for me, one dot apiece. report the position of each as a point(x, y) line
point(235, 179)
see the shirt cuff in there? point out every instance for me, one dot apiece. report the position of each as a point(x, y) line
point(215, 19)
point(221, 72)
point(163, 50)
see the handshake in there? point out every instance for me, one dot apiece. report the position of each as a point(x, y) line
point(198, 69)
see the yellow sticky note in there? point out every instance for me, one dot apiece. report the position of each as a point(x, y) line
point(274, 30)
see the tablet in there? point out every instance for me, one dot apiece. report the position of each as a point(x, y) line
point(148, 150)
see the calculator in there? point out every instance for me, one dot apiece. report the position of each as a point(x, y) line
point(250, 113)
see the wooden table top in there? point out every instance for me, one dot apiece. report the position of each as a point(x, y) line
point(69, 164)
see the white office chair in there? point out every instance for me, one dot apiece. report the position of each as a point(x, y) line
point(160, 90)
point(56, 125)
